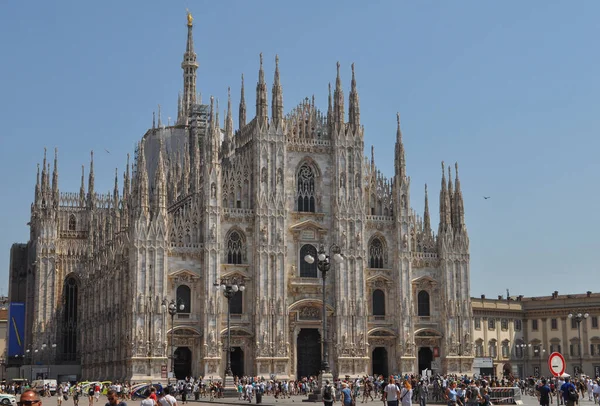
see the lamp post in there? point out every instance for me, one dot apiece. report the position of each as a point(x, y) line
point(229, 287)
point(324, 264)
point(172, 311)
point(579, 317)
point(525, 352)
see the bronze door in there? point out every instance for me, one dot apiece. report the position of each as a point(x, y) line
point(309, 353)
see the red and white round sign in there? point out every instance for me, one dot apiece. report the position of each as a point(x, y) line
point(557, 364)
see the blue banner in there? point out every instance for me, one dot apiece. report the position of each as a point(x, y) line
point(16, 329)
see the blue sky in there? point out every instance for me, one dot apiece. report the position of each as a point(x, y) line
point(507, 89)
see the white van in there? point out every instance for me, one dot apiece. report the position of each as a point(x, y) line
point(40, 385)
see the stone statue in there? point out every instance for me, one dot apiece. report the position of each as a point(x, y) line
point(140, 303)
point(279, 175)
point(263, 233)
point(158, 335)
point(358, 239)
point(212, 305)
point(213, 191)
point(213, 232)
point(344, 239)
point(345, 339)
point(361, 342)
point(212, 341)
point(281, 340)
point(265, 337)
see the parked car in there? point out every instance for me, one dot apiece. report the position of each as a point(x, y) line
point(8, 400)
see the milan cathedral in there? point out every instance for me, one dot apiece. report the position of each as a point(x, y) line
point(201, 201)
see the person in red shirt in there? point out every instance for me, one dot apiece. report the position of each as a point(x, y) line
point(153, 394)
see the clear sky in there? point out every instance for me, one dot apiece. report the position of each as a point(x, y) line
point(508, 89)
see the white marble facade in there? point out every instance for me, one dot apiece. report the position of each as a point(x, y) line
point(205, 201)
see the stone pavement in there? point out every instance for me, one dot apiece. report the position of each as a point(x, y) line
point(267, 401)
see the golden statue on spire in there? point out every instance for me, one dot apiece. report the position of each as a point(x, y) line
point(190, 19)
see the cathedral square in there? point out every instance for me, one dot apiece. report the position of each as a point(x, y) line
point(202, 206)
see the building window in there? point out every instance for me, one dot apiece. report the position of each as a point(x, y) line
point(306, 189)
point(491, 324)
point(376, 253)
point(493, 349)
point(184, 297)
point(594, 321)
point(72, 222)
point(555, 347)
point(308, 270)
point(504, 324)
point(554, 324)
point(236, 304)
point(574, 349)
point(477, 322)
point(378, 303)
point(534, 325)
point(423, 303)
point(235, 248)
point(505, 349)
point(519, 350)
point(573, 323)
point(594, 349)
point(518, 325)
point(479, 348)
point(69, 326)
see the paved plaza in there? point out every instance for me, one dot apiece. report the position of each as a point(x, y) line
point(266, 401)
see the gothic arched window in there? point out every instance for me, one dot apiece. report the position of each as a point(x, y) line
point(376, 253)
point(423, 303)
point(235, 248)
point(308, 270)
point(184, 297)
point(72, 222)
point(306, 189)
point(236, 304)
point(69, 337)
point(378, 303)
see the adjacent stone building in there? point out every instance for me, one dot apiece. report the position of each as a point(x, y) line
point(518, 335)
point(201, 201)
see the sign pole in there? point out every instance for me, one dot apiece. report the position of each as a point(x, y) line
point(557, 366)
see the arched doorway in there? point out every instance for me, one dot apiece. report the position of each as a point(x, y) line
point(425, 358)
point(182, 362)
point(379, 361)
point(237, 361)
point(309, 352)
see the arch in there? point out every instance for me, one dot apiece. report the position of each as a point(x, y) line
point(381, 332)
point(428, 332)
point(377, 252)
point(69, 325)
point(423, 304)
point(192, 330)
point(236, 246)
point(237, 331)
point(378, 299)
point(308, 270)
point(309, 302)
point(184, 297)
point(72, 223)
point(307, 183)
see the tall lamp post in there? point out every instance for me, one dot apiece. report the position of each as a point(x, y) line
point(579, 317)
point(525, 351)
point(172, 308)
point(229, 287)
point(324, 264)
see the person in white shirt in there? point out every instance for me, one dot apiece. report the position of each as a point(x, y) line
point(596, 391)
point(391, 392)
point(166, 399)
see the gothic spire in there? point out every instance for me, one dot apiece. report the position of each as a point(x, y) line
point(186, 170)
point(44, 174)
point(142, 180)
point(229, 124)
point(82, 187)
point(261, 96)
point(91, 191)
point(426, 218)
point(445, 220)
point(242, 110)
point(354, 107)
point(37, 184)
point(159, 117)
point(277, 102)
point(55, 178)
point(126, 181)
point(338, 100)
point(160, 182)
point(451, 197)
point(459, 208)
point(399, 160)
point(189, 66)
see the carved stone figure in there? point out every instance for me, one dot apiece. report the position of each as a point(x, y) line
point(213, 232)
point(213, 191)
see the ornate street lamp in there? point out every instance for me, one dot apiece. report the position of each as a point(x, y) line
point(579, 317)
point(525, 352)
point(173, 311)
point(229, 287)
point(324, 264)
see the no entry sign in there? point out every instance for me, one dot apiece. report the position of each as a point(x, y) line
point(556, 364)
